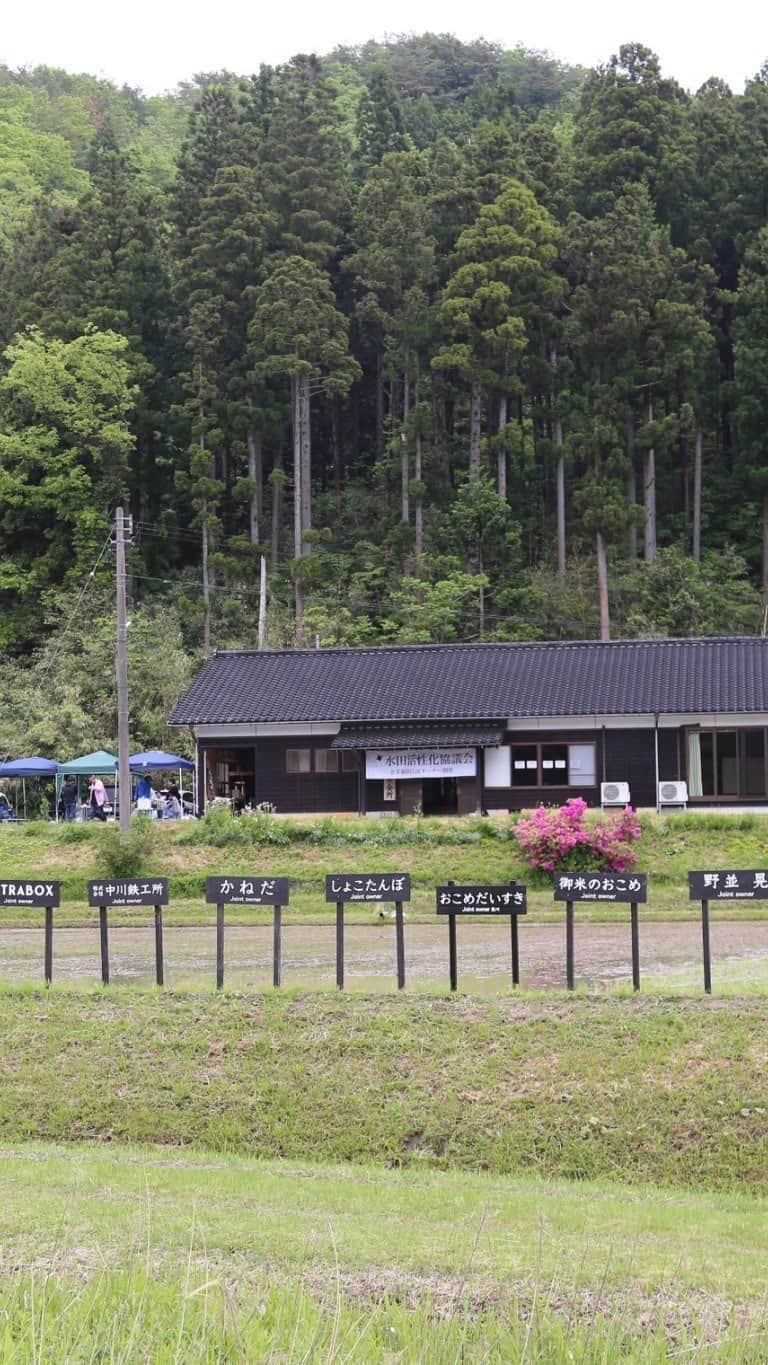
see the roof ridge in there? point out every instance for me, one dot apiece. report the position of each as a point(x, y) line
point(488, 645)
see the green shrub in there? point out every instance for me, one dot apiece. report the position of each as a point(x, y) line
point(130, 857)
point(75, 833)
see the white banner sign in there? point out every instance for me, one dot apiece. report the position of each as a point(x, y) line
point(405, 763)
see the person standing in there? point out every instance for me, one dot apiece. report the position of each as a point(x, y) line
point(144, 796)
point(97, 799)
point(69, 797)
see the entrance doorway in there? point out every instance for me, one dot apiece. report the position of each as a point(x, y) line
point(439, 796)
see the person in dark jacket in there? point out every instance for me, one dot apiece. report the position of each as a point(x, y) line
point(69, 797)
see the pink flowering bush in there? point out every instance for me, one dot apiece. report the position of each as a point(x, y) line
point(559, 839)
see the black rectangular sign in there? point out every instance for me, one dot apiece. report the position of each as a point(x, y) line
point(30, 891)
point(129, 891)
point(631, 887)
point(728, 886)
point(481, 900)
point(247, 890)
point(369, 886)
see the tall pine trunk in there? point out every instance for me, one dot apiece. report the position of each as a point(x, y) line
point(306, 453)
point(649, 484)
point(379, 404)
point(418, 511)
point(602, 588)
point(206, 576)
point(765, 549)
point(405, 454)
point(697, 478)
point(298, 501)
point(475, 428)
point(629, 435)
point(277, 507)
point(256, 478)
point(338, 464)
point(501, 454)
point(560, 479)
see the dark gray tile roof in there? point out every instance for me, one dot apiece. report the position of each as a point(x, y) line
point(418, 736)
point(480, 682)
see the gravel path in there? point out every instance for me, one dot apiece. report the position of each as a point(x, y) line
point(668, 951)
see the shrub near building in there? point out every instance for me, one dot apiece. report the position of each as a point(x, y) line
point(559, 839)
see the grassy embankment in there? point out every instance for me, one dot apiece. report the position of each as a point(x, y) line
point(672, 1092)
point(571, 1173)
point(432, 851)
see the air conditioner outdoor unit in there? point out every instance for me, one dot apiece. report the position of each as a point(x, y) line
point(614, 794)
point(673, 794)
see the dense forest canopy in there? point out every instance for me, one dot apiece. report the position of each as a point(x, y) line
point(463, 343)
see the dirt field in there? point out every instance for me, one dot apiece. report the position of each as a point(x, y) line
point(670, 955)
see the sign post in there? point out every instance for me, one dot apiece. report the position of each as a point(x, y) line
point(129, 892)
point(723, 885)
point(369, 889)
point(453, 900)
point(35, 892)
point(248, 890)
point(623, 887)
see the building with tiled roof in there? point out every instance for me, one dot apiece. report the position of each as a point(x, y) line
point(482, 726)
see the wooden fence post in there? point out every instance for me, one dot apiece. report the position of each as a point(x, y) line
point(104, 940)
point(277, 946)
point(219, 946)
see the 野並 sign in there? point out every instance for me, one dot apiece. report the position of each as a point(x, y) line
point(371, 886)
point(601, 886)
point(481, 900)
point(128, 891)
point(247, 890)
point(32, 891)
point(405, 763)
point(728, 886)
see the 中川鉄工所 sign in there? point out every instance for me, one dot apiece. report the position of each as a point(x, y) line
point(128, 891)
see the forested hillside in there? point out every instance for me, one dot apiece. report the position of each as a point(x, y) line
point(465, 343)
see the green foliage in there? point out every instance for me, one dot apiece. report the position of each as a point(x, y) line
point(385, 260)
point(131, 856)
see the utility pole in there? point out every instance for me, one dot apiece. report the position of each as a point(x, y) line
point(123, 750)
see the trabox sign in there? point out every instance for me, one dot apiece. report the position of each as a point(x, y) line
point(31, 891)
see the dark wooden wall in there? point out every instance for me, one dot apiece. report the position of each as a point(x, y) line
point(621, 756)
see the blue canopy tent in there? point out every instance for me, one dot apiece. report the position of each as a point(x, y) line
point(21, 768)
point(98, 764)
point(155, 760)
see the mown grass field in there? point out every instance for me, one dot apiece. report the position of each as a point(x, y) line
point(195, 1251)
point(288, 1178)
point(432, 851)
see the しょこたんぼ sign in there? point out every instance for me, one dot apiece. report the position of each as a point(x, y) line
point(370, 886)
